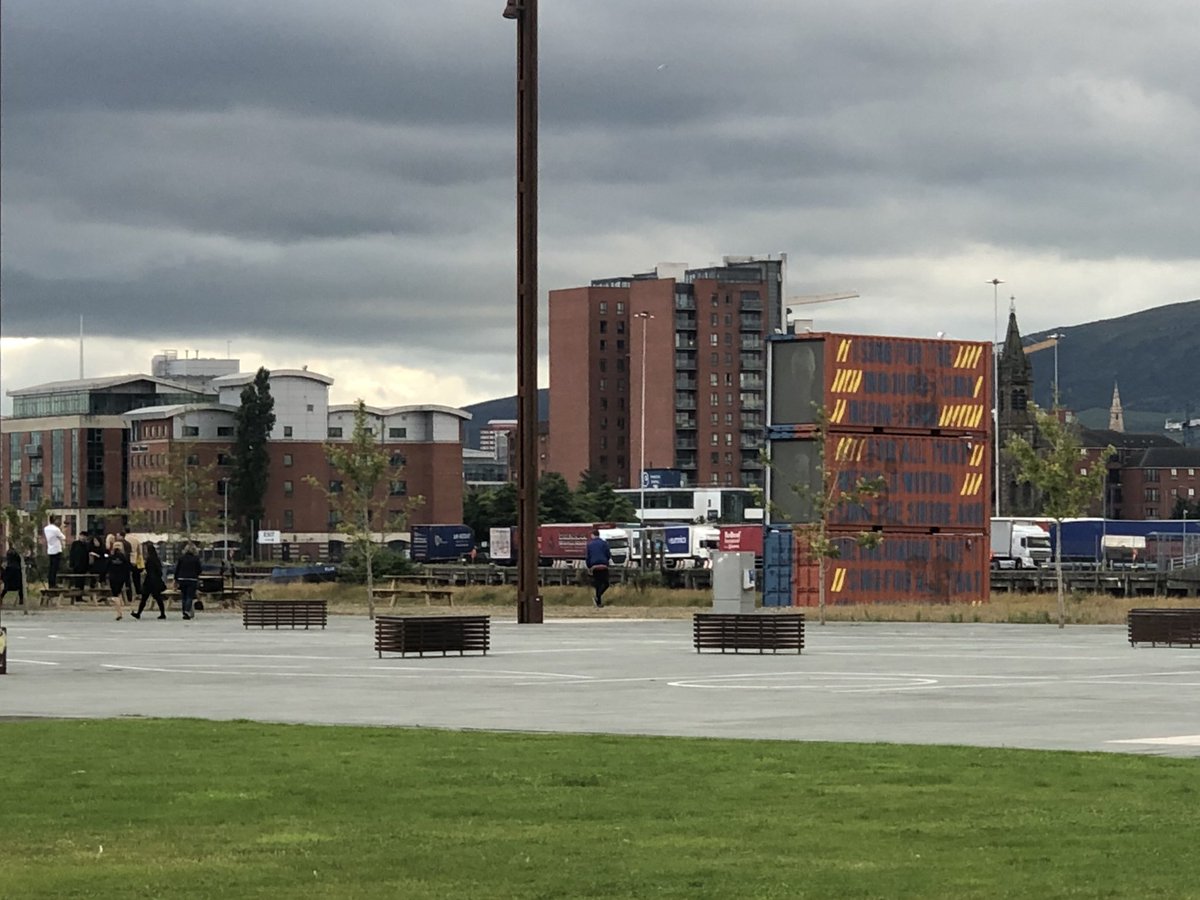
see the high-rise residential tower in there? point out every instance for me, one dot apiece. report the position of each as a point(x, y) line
point(691, 342)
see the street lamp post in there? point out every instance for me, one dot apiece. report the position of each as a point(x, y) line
point(529, 607)
point(995, 283)
point(1056, 337)
point(645, 317)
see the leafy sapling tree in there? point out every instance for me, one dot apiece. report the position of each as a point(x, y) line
point(253, 422)
point(22, 530)
point(1067, 483)
point(186, 487)
point(363, 496)
point(828, 491)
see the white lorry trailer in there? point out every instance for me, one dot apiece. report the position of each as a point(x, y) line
point(1019, 545)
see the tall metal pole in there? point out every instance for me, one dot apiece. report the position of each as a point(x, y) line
point(529, 604)
point(995, 283)
point(1056, 337)
point(645, 317)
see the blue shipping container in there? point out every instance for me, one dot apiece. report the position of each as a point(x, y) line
point(777, 568)
point(434, 543)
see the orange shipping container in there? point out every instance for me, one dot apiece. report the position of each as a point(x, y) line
point(929, 481)
point(886, 383)
point(905, 568)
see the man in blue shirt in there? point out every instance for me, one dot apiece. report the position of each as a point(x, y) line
point(599, 556)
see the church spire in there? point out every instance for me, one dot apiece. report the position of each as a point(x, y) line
point(1116, 416)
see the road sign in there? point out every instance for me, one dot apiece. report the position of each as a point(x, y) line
point(270, 537)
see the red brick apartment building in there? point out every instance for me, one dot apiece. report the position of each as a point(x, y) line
point(692, 343)
point(106, 468)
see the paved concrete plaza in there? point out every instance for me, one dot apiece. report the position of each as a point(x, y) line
point(1083, 688)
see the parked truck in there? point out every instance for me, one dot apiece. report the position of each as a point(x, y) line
point(1019, 545)
point(675, 546)
point(440, 543)
point(565, 543)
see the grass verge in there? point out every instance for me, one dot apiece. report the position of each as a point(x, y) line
point(626, 601)
point(191, 809)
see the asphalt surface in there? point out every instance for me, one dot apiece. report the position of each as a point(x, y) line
point(1082, 688)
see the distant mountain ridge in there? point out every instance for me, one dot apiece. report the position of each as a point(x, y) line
point(1152, 356)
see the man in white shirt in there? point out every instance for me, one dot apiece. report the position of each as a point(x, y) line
point(55, 541)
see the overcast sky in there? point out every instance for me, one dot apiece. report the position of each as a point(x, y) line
point(332, 184)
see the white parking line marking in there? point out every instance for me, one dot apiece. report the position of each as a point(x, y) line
point(1189, 740)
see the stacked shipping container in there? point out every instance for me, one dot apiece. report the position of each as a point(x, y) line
point(916, 413)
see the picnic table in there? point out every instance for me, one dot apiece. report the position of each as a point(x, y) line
point(415, 588)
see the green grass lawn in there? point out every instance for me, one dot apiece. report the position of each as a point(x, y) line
point(208, 810)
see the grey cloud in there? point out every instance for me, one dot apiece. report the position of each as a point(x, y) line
point(346, 170)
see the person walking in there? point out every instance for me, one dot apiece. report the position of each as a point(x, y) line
point(55, 542)
point(153, 584)
point(12, 578)
point(599, 557)
point(187, 579)
point(118, 578)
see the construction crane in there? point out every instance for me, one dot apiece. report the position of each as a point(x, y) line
point(812, 299)
point(1041, 345)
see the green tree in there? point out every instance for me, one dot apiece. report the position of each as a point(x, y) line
point(251, 465)
point(555, 500)
point(22, 529)
point(362, 498)
point(187, 487)
point(1057, 470)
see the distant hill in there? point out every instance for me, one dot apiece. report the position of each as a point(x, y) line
point(502, 408)
point(1153, 357)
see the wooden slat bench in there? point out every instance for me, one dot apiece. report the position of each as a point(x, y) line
point(280, 613)
point(432, 634)
point(1170, 627)
point(748, 631)
point(51, 596)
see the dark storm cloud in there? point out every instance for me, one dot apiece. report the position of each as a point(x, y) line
point(344, 172)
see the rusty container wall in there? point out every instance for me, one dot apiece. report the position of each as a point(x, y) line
point(880, 383)
point(905, 568)
point(930, 482)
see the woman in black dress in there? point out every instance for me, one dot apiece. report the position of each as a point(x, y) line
point(118, 575)
point(12, 577)
point(153, 583)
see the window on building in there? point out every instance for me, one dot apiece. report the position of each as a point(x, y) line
point(396, 460)
point(604, 403)
point(728, 459)
point(729, 399)
point(604, 307)
point(620, 308)
point(397, 488)
point(714, 399)
point(716, 418)
point(289, 519)
point(712, 379)
point(728, 418)
point(288, 488)
point(620, 344)
point(287, 430)
point(621, 364)
point(224, 459)
point(604, 365)
point(308, 407)
point(714, 301)
point(193, 459)
point(604, 442)
point(714, 339)
point(224, 431)
point(715, 358)
point(729, 439)
point(620, 423)
point(603, 345)
point(728, 339)
point(603, 460)
point(714, 457)
point(604, 384)
point(334, 431)
point(604, 326)
point(1174, 473)
point(728, 319)
point(620, 403)
point(287, 459)
point(620, 326)
point(1152, 475)
point(728, 358)
point(191, 431)
point(397, 433)
point(335, 486)
point(714, 319)
point(620, 385)
point(728, 379)
point(620, 462)
point(714, 439)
